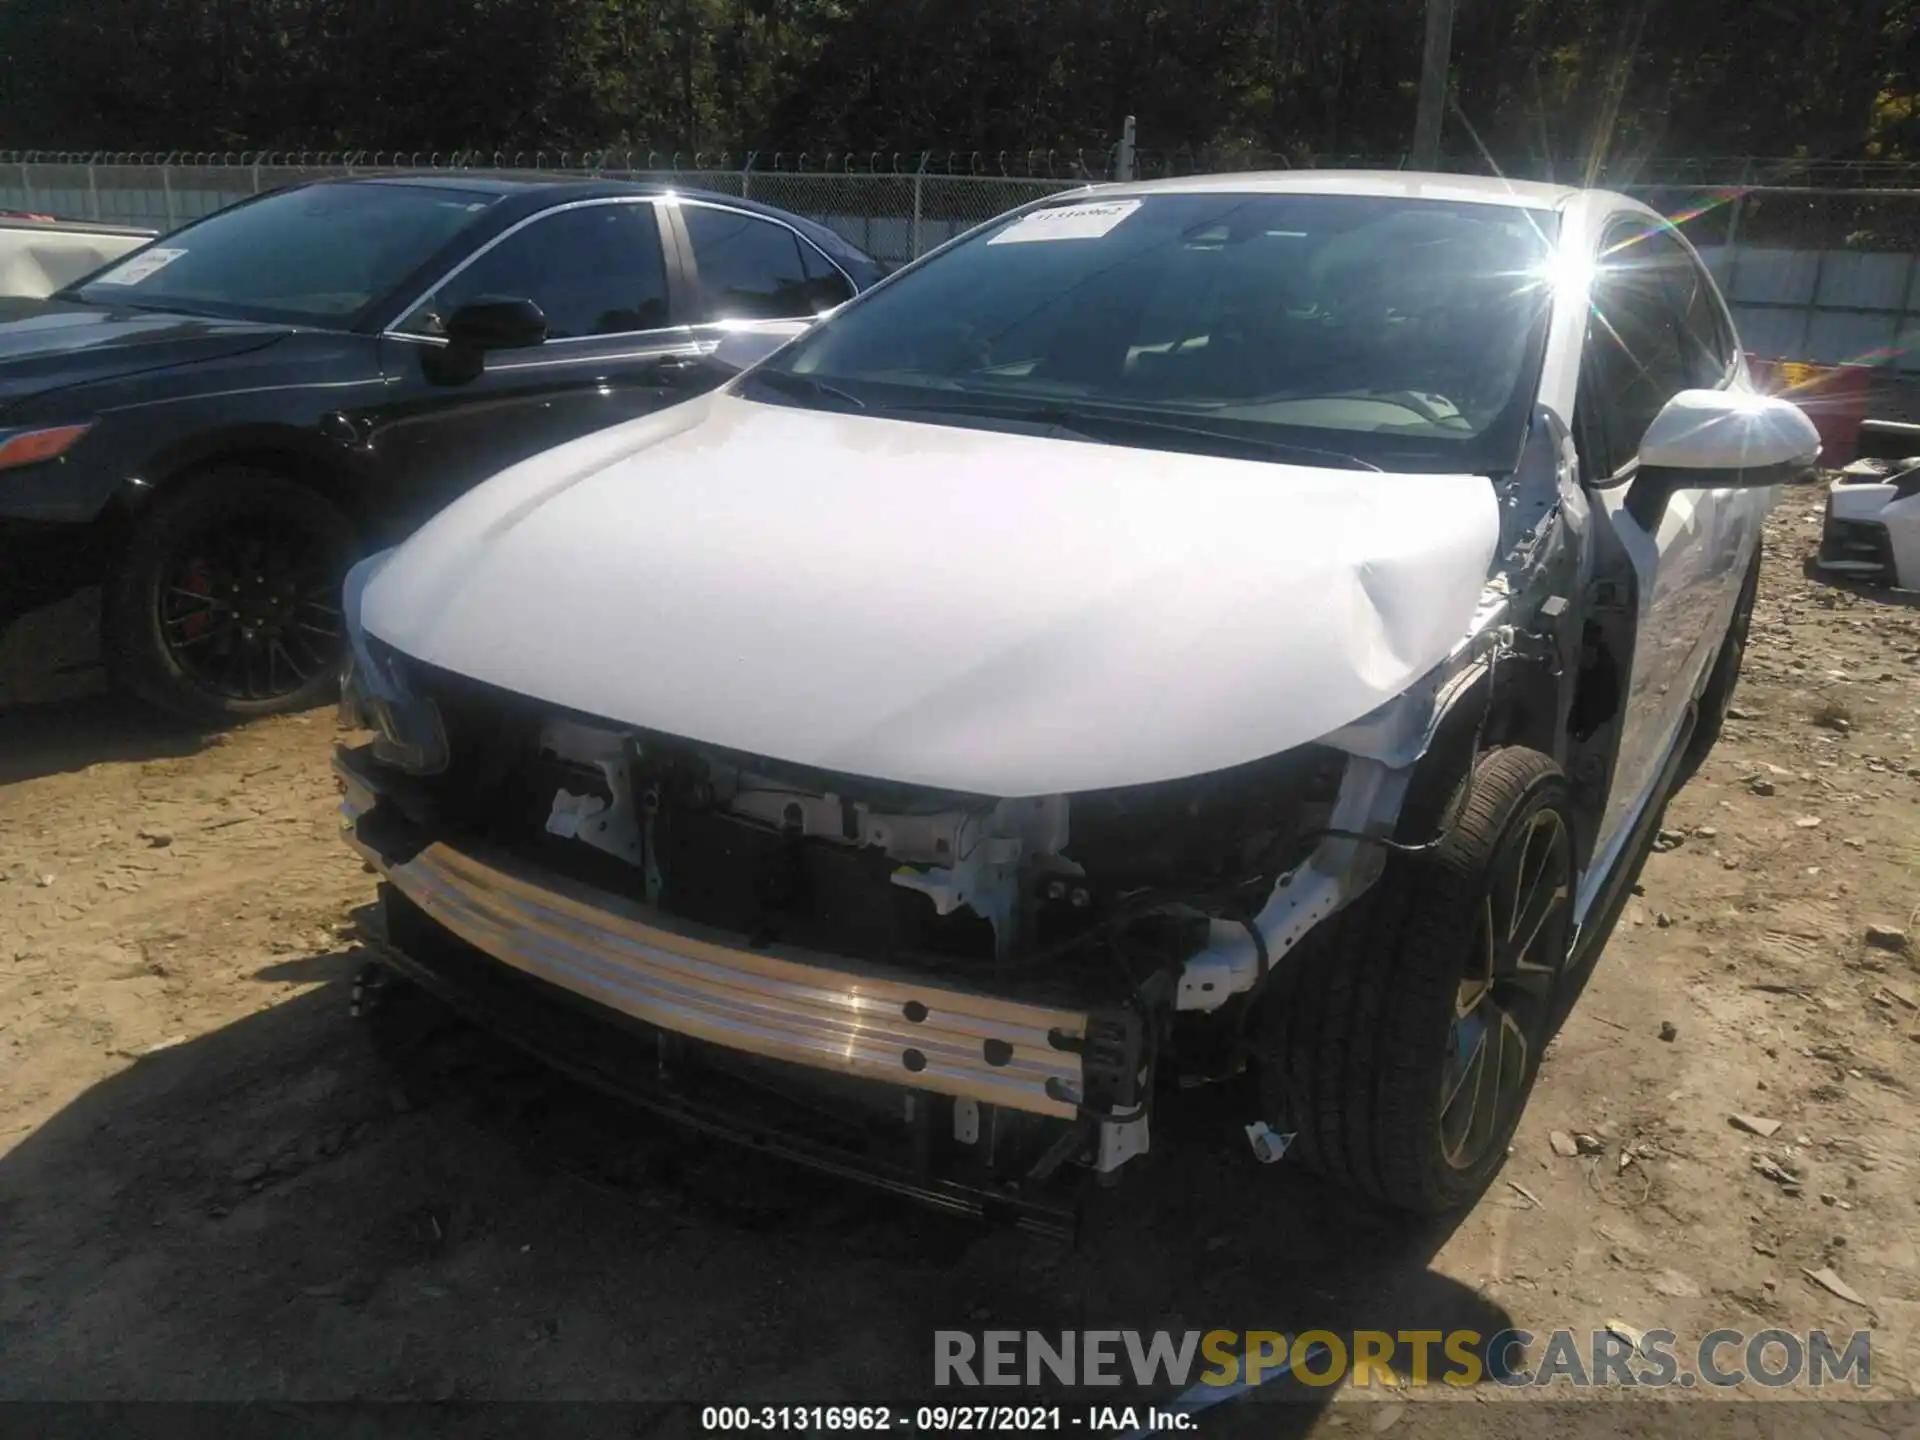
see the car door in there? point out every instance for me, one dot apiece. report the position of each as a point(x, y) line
point(599, 271)
point(1657, 327)
point(747, 270)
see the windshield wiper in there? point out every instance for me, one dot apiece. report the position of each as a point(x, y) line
point(1073, 421)
point(1154, 425)
point(805, 386)
point(117, 302)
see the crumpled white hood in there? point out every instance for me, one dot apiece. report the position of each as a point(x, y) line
point(972, 610)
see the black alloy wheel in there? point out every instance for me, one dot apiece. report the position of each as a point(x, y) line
point(227, 603)
point(1402, 1044)
point(1505, 997)
point(250, 611)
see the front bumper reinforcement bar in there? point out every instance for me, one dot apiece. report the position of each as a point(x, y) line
point(779, 1002)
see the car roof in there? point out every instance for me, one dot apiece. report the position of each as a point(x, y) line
point(477, 183)
point(1391, 184)
point(537, 193)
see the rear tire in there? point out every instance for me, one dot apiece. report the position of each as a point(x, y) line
point(226, 603)
point(1369, 1053)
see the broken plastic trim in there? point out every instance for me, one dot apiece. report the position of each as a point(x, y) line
point(408, 731)
point(1239, 953)
point(1385, 747)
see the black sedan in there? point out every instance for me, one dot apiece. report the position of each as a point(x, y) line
point(214, 426)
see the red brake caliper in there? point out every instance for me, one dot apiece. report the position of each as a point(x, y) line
point(199, 621)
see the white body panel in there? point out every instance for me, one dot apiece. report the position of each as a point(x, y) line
point(966, 609)
point(36, 260)
point(1016, 615)
point(1688, 575)
point(1880, 505)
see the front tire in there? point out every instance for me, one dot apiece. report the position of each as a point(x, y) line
point(1402, 1053)
point(226, 604)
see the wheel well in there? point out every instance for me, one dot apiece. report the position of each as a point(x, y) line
point(303, 468)
point(1526, 708)
point(106, 538)
point(1516, 703)
point(311, 471)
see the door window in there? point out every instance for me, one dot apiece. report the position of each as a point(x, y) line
point(1637, 357)
point(753, 269)
point(1706, 336)
point(827, 286)
point(593, 270)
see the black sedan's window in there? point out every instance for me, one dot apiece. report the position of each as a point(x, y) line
point(592, 269)
point(317, 255)
point(828, 287)
point(753, 269)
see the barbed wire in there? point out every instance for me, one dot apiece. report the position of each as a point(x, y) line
point(1010, 164)
point(1079, 163)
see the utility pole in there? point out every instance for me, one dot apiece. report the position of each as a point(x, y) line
point(1433, 85)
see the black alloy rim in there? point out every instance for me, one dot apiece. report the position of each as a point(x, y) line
point(250, 610)
point(1505, 993)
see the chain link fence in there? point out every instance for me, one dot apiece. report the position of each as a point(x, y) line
point(1830, 277)
point(894, 215)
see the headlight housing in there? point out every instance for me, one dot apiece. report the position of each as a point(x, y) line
point(408, 732)
point(374, 691)
point(356, 707)
point(31, 447)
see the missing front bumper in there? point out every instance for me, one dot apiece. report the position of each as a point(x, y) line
point(871, 1137)
point(777, 1003)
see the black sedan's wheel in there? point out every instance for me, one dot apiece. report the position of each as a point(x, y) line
point(228, 602)
point(1404, 1049)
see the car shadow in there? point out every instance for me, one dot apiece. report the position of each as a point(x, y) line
point(311, 969)
point(51, 651)
point(284, 1211)
point(57, 712)
point(61, 736)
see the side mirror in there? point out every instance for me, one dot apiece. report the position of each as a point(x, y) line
point(1720, 439)
point(496, 322)
point(749, 342)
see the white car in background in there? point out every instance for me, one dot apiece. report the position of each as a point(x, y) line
point(40, 254)
point(1872, 529)
point(1224, 620)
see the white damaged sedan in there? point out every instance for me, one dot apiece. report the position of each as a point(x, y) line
point(1238, 628)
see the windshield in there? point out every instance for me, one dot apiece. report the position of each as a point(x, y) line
point(315, 255)
point(1371, 331)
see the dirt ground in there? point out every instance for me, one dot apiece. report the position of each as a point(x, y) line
point(213, 1187)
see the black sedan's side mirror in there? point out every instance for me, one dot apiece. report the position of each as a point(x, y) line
point(496, 322)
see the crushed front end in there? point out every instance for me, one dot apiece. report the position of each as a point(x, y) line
point(968, 999)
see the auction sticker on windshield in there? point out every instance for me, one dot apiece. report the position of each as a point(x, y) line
point(140, 267)
point(1067, 222)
